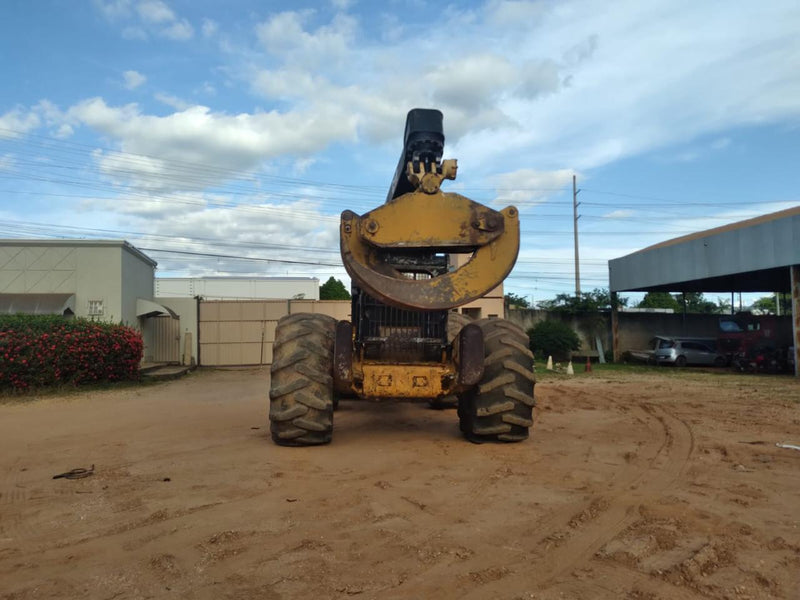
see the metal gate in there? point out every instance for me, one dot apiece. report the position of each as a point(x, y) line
point(241, 332)
point(166, 339)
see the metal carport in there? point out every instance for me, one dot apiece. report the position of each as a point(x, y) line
point(756, 255)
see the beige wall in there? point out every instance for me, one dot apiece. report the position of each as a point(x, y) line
point(99, 277)
point(490, 305)
point(38, 270)
point(136, 282)
point(89, 272)
point(242, 332)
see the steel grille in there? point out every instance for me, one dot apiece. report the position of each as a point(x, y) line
point(398, 335)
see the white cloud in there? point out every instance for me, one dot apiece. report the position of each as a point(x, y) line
point(537, 77)
point(721, 143)
point(209, 28)
point(514, 13)
point(619, 214)
point(195, 147)
point(172, 101)
point(64, 131)
point(7, 162)
point(473, 82)
point(284, 35)
point(155, 17)
point(17, 122)
point(133, 79)
point(155, 11)
point(114, 9)
point(529, 186)
point(134, 33)
point(179, 31)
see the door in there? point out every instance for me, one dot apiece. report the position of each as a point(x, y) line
point(166, 339)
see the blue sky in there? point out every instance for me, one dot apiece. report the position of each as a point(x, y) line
point(226, 138)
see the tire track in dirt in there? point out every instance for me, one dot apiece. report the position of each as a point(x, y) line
point(609, 514)
point(567, 539)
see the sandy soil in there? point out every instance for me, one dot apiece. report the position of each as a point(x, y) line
point(654, 486)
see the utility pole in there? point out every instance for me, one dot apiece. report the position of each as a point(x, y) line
point(575, 216)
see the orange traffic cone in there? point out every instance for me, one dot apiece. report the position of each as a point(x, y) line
point(588, 367)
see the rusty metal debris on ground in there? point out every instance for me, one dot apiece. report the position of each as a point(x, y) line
point(79, 473)
point(788, 446)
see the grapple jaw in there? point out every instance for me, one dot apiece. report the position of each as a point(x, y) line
point(391, 252)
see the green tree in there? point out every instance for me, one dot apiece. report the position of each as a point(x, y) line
point(512, 300)
point(553, 338)
point(333, 289)
point(723, 306)
point(767, 305)
point(696, 303)
point(598, 299)
point(659, 300)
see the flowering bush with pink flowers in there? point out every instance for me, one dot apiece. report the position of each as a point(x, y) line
point(42, 351)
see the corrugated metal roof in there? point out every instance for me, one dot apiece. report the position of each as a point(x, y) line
point(747, 256)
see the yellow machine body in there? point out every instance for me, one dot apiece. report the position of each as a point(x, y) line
point(441, 222)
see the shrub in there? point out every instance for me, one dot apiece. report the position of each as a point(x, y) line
point(40, 351)
point(553, 338)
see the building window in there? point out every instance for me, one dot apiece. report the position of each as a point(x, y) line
point(95, 308)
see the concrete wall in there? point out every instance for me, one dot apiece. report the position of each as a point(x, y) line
point(136, 277)
point(89, 272)
point(491, 304)
point(99, 277)
point(637, 329)
point(586, 326)
point(38, 270)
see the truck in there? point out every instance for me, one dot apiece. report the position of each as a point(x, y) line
point(755, 343)
point(404, 340)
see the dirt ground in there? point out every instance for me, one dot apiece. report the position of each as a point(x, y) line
point(647, 486)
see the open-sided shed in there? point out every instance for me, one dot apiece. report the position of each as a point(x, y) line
point(755, 255)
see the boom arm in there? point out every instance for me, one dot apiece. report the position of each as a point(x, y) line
point(391, 252)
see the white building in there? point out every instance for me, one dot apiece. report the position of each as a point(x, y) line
point(107, 280)
point(238, 288)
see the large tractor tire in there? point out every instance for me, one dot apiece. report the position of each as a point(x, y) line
point(455, 322)
point(301, 383)
point(500, 407)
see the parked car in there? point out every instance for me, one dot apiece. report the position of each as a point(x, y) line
point(681, 352)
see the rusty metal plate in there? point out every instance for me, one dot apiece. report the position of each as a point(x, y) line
point(470, 355)
point(404, 381)
point(487, 268)
point(420, 220)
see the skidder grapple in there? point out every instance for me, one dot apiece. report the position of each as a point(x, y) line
point(411, 261)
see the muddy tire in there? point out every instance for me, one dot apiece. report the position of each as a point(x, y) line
point(301, 382)
point(455, 322)
point(500, 407)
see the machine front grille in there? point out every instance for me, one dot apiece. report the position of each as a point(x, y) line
point(398, 335)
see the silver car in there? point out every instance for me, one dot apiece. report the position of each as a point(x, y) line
point(682, 352)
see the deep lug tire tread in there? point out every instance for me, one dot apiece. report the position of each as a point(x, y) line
point(455, 322)
point(500, 407)
point(301, 384)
